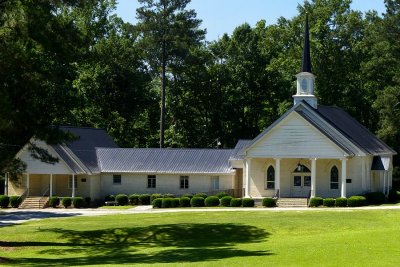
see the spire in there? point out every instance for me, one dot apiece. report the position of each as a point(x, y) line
point(306, 61)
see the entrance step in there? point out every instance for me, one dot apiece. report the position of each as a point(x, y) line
point(34, 203)
point(292, 203)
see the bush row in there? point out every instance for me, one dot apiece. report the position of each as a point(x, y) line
point(354, 201)
point(198, 201)
point(13, 201)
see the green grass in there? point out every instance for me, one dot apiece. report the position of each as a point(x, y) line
point(117, 207)
point(289, 238)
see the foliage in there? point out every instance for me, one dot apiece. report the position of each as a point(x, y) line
point(236, 202)
point(4, 201)
point(109, 198)
point(54, 201)
point(122, 199)
point(316, 202)
point(203, 195)
point(356, 201)
point(168, 196)
point(269, 202)
point(175, 202)
point(15, 201)
point(154, 196)
point(166, 203)
point(88, 200)
point(226, 201)
point(394, 196)
point(211, 201)
point(341, 202)
point(221, 195)
point(197, 202)
point(187, 195)
point(66, 202)
point(184, 202)
point(329, 202)
point(144, 199)
point(375, 198)
point(248, 202)
point(134, 199)
point(78, 202)
point(157, 203)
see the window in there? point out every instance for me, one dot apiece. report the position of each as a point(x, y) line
point(117, 179)
point(334, 178)
point(151, 181)
point(70, 182)
point(304, 88)
point(270, 177)
point(307, 180)
point(215, 182)
point(184, 182)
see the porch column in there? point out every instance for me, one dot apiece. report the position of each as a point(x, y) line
point(27, 184)
point(278, 176)
point(313, 176)
point(6, 184)
point(384, 182)
point(248, 178)
point(73, 185)
point(51, 185)
point(364, 175)
point(344, 177)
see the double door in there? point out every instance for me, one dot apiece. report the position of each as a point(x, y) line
point(301, 185)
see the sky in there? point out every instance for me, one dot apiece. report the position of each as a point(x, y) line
point(223, 16)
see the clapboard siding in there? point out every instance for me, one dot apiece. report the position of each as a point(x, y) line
point(295, 137)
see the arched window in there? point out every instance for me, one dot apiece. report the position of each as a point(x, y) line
point(270, 177)
point(334, 178)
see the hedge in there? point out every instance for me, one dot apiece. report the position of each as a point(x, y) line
point(222, 194)
point(166, 203)
point(341, 202)
point(54, 201)
point(316, 202)
point(356, 201)
point(109, 198)
point(144, 199)
point(122, 199)
point(87, 201)
point(329, 202)
point(4, 201)
point(197, 202)
point(66, 202)
point(184, 202)
point(157, 203)
point(78, 202)
point(168, 196)
point(248, 202)
point(203, 195)
point(269, 202)
point(236, 202)
point(134, 199)
point(211, 201)
point(188, 196)
point(394, 196)
point(15, 201)
point(175, 202)
point(226, 201)
point(154, 196)
point(375, 198)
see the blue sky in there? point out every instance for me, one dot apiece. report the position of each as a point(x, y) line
point(223, 16)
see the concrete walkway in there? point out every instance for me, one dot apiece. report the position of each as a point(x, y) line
point(15, 216)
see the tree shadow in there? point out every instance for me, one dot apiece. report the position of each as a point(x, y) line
point(15, 217)
point(172, 242)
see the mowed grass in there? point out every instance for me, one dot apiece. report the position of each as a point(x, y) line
point(289, 238)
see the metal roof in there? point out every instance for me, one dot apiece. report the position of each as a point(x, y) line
point(164, 160)
point(240, 145)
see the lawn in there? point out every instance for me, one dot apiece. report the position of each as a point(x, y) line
point(289, 238)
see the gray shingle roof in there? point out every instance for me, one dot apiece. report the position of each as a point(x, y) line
point(240, 145)
point(156, 160)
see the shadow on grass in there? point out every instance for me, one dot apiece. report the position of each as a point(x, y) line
point(15, 217)
point(168, 243)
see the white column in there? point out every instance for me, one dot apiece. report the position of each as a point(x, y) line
point(364, 175)
point(313, 176)
point(73, 185)
point(6, 184)
point(278, 176)
point(344, 177)
point(27, 184)
point(384, 182)
point(51, 185)
point(248, 178)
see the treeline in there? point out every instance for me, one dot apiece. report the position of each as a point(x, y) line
point(74, 62)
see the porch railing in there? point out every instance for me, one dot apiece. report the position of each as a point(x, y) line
point(277, 194)
point(21, 197)
point(308, 198)
point(43, 198)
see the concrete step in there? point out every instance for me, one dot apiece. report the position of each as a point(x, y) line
point(291, 202)
point(34, 203)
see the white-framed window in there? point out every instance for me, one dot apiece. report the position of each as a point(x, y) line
point(215, 182)
point(270, 179)
point(334, 178)
point(117, 179)
point(151, 181)
point(70, 182)
point(184, 182)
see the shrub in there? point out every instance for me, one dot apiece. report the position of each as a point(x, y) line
point(109, 198)
point(269, 202)
point(88, 200)
point(122, 199)
point(166, 203)
point(134, 199)
point(211, 201)
point(157, 203)
point(144, 199)
point(168, 196)
point(175, 202)
point(329, 202)
point(4, 201)
point(188, 196)
point(184, 202)
point(66, 202)
point(248, 202)
point(222, 194)
point(316, 201)
point(203, 195)
point(226, 201)
point(375, 198)
point(154, 196)
point(356, 201)
point(15, 201)
point(341, 202)
point(394, 196)
point(54, 202)
point(197, 202)
point(236, 202)
point(78, 202)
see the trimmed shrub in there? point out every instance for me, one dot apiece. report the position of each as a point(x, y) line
point(15, 201)
point(122, 199)
point(184, 202)
point(188, 195)
point(66, 202)
point(375, 198)
point(226, 201)
point(166, 203)
point(134, 199)
point(394, 196)
point(197, 202)
point(341, 202)
point(54, 202)
point(316, 202)
point(78, 202)
point(236, 202)
point(356, 201)
point(269, 202)
point(175, 202)
point(222, 194)
point(329, 202)
point(157, 203)
point(4, 201)
point(211, 201)
point(168, 196)
point(109, 198)
point(248, 202)
point(154, 196)
point(88, 200)
point(144, 199)
point(203, 195)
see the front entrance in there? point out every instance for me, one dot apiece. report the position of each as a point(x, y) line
point(301, 182)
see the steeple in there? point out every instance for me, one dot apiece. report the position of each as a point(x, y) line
point(305, 79)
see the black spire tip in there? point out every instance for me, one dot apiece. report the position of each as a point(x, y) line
point(306, 60)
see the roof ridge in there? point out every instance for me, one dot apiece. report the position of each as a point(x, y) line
point(166, 149)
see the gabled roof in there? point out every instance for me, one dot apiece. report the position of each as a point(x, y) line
point(164, 160)
point(240, 145)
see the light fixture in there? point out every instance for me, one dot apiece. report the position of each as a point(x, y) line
point(299, 167)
